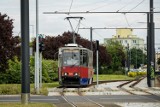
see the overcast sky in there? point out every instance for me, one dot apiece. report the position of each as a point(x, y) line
point(53, 24)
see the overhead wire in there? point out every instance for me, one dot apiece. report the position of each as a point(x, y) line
point(102, 6)
point(70, 6)
point(126, 19)
point(110, 4)
point(98, 34)
point(136, 5)
point(95, 2)
point(125, 5)
point(93, 30)
point(85, 26)
point(85, 5)
point(137, 20)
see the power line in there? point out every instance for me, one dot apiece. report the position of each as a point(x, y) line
point(102, 6)
point(126, 19)
point(125, 5)
point(136, 5)
point(97, 34)
point(70, 6)
point(84, 5)
point(86, 26)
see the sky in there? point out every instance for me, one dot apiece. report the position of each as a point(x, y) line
point(55, 24)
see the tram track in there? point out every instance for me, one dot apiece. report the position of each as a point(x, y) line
point(75, 96)
point(132, 89)
point(74, 101)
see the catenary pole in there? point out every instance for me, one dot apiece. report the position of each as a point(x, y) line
point(25, 87)
point(128, 57)
point(37, 50)
point(97, 56)
point(152, 41)
point(91, 38)
point(148, 51)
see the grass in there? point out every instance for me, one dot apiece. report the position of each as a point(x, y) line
point(112, 77)
point(29, 105)
point(16, 88)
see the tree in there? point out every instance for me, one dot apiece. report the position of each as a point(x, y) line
point(52, 43)
point(115, 50)
point(137, 57)
point(8, 43)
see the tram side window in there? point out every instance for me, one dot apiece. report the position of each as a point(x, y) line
point(84, 58)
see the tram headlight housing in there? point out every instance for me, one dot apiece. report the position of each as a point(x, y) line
point(65, 74)
point(75, 74)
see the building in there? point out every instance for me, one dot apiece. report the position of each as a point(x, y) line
point(125, 37)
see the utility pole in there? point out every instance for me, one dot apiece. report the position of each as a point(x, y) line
point(128, 57)
point(25, 85)
point(37, 52)
point(152, 43)
point(148, 52)
point(91, 38)
point(97, 56)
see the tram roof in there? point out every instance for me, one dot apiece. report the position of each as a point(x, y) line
point(73, 45)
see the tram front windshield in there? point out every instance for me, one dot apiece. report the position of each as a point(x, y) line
point(71, 58)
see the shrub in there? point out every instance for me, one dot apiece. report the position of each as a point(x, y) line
point(13, 73)
point(134, 74)
point(50, 70)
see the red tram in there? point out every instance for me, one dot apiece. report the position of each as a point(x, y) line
point(75, 66)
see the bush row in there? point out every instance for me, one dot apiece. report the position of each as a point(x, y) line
point(13, 74)
point(134, 74)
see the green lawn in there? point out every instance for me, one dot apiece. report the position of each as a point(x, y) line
point(16, 88)
point(112, 77)
point(29, 105)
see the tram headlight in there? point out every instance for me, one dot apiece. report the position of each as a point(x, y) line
point(65, 74)
point(75, 74)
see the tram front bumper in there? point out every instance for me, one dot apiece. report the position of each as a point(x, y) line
point(68, 80)
point(75, 80)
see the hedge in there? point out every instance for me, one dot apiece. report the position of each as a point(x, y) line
point(13, 74)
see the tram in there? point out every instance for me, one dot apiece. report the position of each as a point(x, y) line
point(75, 65)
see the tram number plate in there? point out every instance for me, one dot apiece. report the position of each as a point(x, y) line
point(70, 73)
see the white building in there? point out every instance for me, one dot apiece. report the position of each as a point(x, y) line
point(125, 37)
